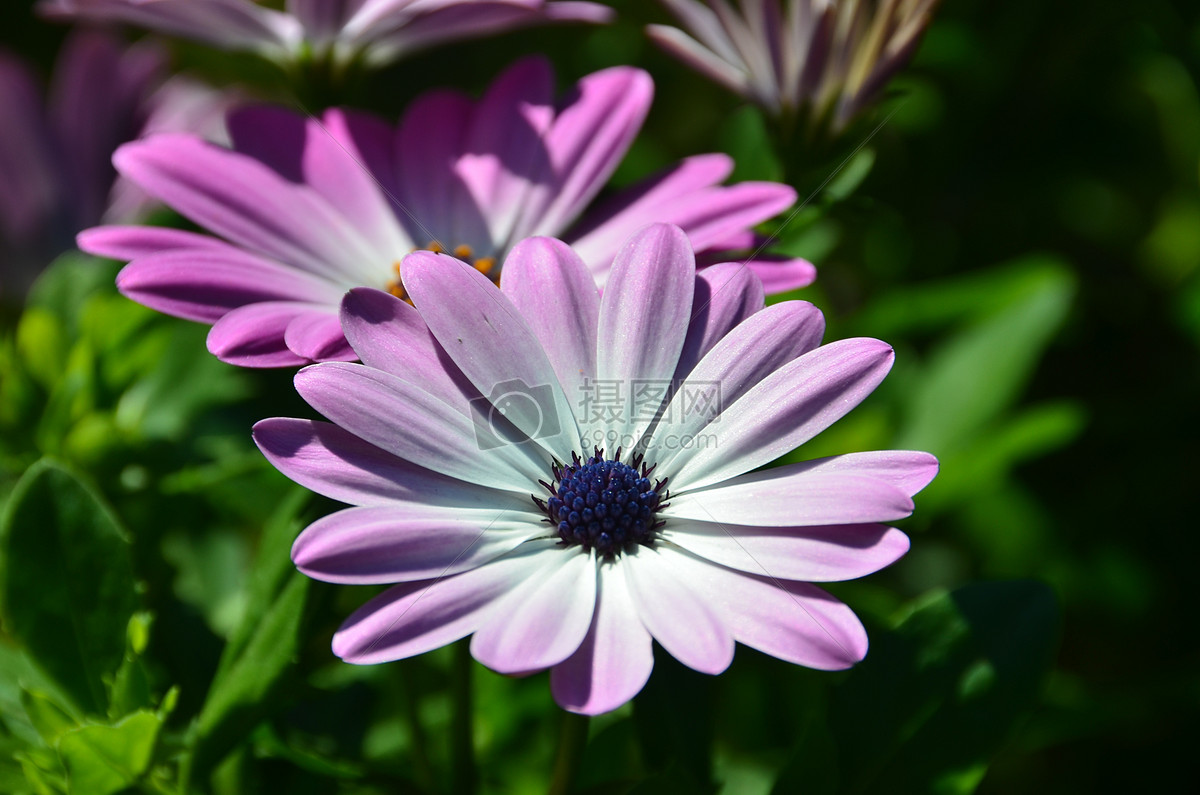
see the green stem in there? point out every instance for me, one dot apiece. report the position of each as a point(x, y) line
point(422, 768)
point(572, 740)
point(462, 742)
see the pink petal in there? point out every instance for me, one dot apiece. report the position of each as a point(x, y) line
point(908, 470)
point(644, 314)
point(234, 24)
point(461, 21)
point(760, 345)
point(615, 659)
point(402, 543)
point(317, 336)
point(130, 242)
point(97, 102)
point(793, 621)
point(243, 200)
point(675, 614)
point(826, 553)
point(434, 202)
point(417, 426)
point(485, 335)
point(252, 335)
point(325, 154)
point(725, 296)
point(788, 498)
point(786, 409)
point(389, 334)
point(552, 289)
point(205, 284)
point(337, 464)
point(697, 56)
point(504, 144)
point(416, 617)
point(781, 274)
point(589, 137)
point(601, 233)
point(542, 621)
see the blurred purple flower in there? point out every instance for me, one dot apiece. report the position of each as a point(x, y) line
point(474, 400)
point(313, 207)
point(379, 30)
point(829, 58)
point(56, 173)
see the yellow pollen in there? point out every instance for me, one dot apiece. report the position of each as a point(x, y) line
point(394, 285)
point(485, 265)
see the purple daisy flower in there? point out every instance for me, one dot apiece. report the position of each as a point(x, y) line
point(56, 173)
point(465, 441)
point(310, 208)
point(377, 30)
point(829, 57)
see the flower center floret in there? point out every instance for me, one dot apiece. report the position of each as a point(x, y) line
point(485, 265)
point(604, 504)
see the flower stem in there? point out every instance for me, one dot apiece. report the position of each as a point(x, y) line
point(462, 742)
point(572, 740)
point(422, 768)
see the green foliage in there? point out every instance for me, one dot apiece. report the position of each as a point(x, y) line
point(68, 586)
point(262, 651)
point(936, 696)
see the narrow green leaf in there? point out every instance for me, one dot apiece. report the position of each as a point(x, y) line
point(69, 599)
point(981, 370)
point(935, 698)
point(247, 689)
point(272, 567)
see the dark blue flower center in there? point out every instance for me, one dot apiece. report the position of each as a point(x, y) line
point(604, 504)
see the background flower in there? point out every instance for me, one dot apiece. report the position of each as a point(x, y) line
point(309, 208)
point(378, 30)
point(684, 544)
point(828, 58)
point(56, 175)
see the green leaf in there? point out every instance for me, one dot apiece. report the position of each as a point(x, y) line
point(273, 566)
point(245, 694)
point(104, 759)
point(42, 345)
point(131, 686)
point(979, 372)
point(71, 281)
point(50, 720)
point(67, 581)
point(851, 176)
point(745, 137)
point(935, 698)
point(260, 654)
point(969, 297)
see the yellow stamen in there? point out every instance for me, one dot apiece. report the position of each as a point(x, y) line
point(463, 252)
point(395, 286)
